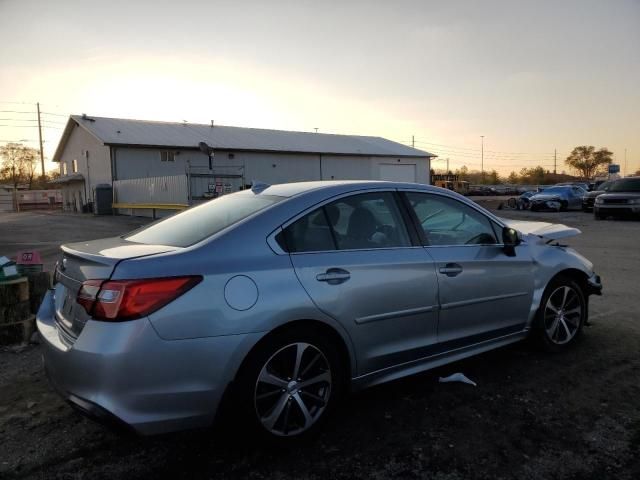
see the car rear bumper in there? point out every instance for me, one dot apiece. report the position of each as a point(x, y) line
point(125, 374)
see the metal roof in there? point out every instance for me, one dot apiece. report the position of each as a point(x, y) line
point(144, 133)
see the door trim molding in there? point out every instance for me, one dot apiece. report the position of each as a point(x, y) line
point(473, 301)
point(395, 314)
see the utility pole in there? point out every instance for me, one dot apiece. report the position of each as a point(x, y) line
point(625, 162)
point(555, 151)
point(482, 159)
point(413, 141)
point(40, 138)
point(447, 165)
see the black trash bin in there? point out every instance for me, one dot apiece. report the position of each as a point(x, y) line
point(103, 199)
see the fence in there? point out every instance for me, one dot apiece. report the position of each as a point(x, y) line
point(30, 200)
point(160, 190)
point(7, 202)
point(205, 184)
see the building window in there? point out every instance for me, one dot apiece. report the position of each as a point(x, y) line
point(166, 156)
point(74, 165)
point(64, 168)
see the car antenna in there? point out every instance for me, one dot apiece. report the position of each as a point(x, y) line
point(258, 187)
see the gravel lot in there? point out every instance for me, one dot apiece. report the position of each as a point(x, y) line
point(533, 415)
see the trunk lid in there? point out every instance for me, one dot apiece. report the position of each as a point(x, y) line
point(94, 260)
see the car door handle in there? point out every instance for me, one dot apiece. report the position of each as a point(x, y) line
point(451, 269)
point(334, 276)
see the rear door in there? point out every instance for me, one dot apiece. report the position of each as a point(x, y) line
point(356, 259)
point(483, 293)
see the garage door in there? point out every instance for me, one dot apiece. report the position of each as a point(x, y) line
point(398, 173)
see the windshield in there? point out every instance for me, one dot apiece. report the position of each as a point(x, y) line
point(198, 223)
point(626, 185)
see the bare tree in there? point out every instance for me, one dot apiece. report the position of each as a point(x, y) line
point(588, 161)
point(19, 163)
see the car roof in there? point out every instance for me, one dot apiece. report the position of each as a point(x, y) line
point(338, 186)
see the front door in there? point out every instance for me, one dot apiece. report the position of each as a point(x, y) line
point(357, 262)
point(483, 293)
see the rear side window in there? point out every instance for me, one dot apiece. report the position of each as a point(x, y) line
point(363, 221)
point(198, 223)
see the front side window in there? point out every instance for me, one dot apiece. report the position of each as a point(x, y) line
point(74, 166)
point(64, 168)
point(446, 221)
point(362, 221)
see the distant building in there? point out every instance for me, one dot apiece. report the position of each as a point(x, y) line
point(97, 150)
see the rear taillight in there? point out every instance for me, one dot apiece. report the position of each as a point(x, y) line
point(119, 300)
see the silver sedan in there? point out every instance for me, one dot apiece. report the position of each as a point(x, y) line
point(280, 299)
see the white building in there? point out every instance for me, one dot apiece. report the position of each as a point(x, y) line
point(96, 150)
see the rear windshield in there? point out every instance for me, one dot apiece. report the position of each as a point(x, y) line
point(198, 223)
point(626, 185)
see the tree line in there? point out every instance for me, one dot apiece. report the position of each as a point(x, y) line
point(585, 161)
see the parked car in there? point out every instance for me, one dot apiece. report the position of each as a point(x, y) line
point(622, 198)
point(481, 191)
point(585, 185)
point(277, 300)
point(523, 201)
point(557, 198)
point(590, 197)
point(595, 185)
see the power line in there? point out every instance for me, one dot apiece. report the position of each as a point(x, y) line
point(17, 103)
point(56, 114)
point(53, 122)
point(470, 150)
point(16, 111)
point(491, 154)
point(21, 140)
point(31, 126)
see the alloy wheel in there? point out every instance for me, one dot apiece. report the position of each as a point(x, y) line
point(293, 389)
point(562, 315)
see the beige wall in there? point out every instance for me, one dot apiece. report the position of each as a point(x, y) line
point(93, 163)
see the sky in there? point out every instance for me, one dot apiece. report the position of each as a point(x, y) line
point(530, 76)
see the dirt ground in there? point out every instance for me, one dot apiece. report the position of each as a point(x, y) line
point(533, 415)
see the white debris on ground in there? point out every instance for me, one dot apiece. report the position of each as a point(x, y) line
point(457, 377)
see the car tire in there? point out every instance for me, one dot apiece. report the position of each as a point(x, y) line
point(273, 403)
point(564, 206)
point(598, 216)
point(562, 314)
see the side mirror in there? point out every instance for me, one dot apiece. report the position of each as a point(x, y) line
point(510, 239)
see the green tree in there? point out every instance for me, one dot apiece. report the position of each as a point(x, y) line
point(588, 161)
